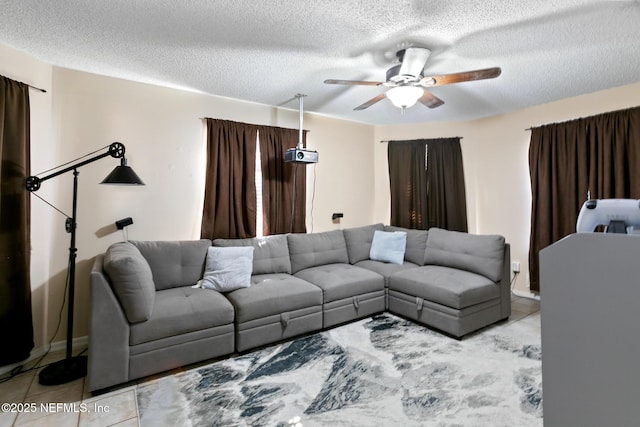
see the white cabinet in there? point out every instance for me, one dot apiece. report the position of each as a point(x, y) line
point(590, 316)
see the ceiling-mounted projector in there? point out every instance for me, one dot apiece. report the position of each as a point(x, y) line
point(300, 155)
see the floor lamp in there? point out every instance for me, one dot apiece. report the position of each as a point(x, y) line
point(72, 368)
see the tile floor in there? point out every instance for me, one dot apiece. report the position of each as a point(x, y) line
point(119, 407)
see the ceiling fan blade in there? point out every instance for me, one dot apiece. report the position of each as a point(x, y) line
point(430, 100)
point(370, 102)
point(466, 76)
point(351, 82)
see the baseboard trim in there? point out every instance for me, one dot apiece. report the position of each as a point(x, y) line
point(77, 345)
point(526, 294)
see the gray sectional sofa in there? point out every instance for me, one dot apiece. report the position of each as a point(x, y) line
point(150, 313)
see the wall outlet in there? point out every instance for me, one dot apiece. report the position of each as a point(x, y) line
point(515, 266)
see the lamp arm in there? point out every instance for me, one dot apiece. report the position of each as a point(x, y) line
point(115, 150)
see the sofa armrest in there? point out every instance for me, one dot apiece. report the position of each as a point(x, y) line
point(108, 333)
point(505, 283)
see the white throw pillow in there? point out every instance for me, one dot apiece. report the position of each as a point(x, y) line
point(228, 268)
point(388, 246)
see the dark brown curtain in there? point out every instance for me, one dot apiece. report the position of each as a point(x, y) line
point(15, 210)
point(446, 196)
point(283, 184)
point(614, 153)
point(598, 154)
point(230, 193)
point(427, 184)
point(408, 183)
point(558, 163)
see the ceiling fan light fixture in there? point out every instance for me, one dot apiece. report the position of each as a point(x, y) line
point(404, 96)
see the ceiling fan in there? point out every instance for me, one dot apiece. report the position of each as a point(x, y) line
point(407, 83)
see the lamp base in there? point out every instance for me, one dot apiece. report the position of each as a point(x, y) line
point(64, 371)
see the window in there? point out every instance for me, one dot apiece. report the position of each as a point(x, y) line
point(248, 185)
point(258, 178)
point(427, 184)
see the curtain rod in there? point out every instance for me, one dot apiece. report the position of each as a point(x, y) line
point(36, 88)
point(583, 118)
point(253, 124)
point(30, 86)
point(392, 140)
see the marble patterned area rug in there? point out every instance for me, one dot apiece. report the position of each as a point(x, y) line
point(379, 371)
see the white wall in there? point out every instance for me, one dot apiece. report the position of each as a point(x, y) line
point(344, 178)
point(495, 155)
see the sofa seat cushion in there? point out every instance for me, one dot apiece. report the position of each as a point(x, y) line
point(339, 281)
point(385, 269)
point(181, 310)
point(447, 286)
point(271, 294)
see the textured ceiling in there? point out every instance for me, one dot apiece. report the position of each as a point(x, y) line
point(268, 51)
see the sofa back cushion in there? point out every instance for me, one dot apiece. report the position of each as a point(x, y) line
point(270, 253)
point(416, 243)
point(481, 254)
point(175, 263)
point(131, 280)
point(359, 240)
point(310, 250)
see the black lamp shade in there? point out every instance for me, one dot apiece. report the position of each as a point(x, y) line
point(122, 174)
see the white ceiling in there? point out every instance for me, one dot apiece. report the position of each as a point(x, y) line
point(268, 51)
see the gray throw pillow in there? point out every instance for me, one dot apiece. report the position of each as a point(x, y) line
point(481, 254)
point(228, 268)
point(388, 246)
point(131, 280)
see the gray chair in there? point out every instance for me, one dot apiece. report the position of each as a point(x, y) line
point(463, 286)
point(146, 317)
